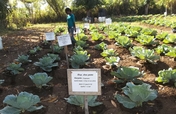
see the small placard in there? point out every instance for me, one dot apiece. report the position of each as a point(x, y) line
point(84, 81)
point(86, 25)
point(77, 31)
point(50, 36)
point(108, 21)
point(64, 40)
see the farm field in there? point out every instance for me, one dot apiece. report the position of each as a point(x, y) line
point(52, 96)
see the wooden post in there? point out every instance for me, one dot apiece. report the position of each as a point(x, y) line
point(66, 54)
point(86, 107)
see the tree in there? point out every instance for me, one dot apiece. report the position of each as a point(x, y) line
point(4, 10)
point(165, 3)
point(88, 4)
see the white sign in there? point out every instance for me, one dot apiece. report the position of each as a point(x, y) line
point(77, 31)
point(84, 82)
point(86, 25)
point(64, 40)
point(108, 21)
point(50, 36)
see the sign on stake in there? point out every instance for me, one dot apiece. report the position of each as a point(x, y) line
point(65, 40)
point(84, 82)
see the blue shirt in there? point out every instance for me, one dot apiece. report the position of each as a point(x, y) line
point(71, 20)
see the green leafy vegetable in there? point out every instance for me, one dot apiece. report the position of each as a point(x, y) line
point(96, 36)
point(101, 46)
point(171, 38)
point(163, 49)
point(78, 60)
point(23, 59)
point(79, 100)
point(56, 48)
point(162, 35)
point(127, 74)
point(172, 52)
point(135, 95)
point(54, 56)
point(82, 43)
point(46, 63)
point(23, 102)
point(112, 60)
point(15, 68)
point(166, 76)
point(144, 54)
point(123, 41)
point(108, 53)
point(40, 79)
point(146, 40)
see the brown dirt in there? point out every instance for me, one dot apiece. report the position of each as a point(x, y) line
point(52, 97)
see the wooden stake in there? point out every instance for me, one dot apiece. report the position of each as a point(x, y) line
point(86, 107)
point(66, 54)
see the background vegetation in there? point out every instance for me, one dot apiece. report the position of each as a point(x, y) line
point(19, 13)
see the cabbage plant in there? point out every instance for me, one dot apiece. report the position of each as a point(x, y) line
point(101, 46)
point(171, 38)
point(163, 49)
point(172, 52)
point(46, 63)
point(23, 59)
point(82, 43)
point(20, 103)
point(166, 76)
point(111, 61)
point(53, 56)
point(127, 74)
point(161, 36)
point(78, 60)
point(144, 54)
point(40, 79)
point(146, 40)
point(135, 95)
point(79, 100)
point(108, 53)
point(15, 68)
point(97, 36)
point(56, 48)
point(123, 41)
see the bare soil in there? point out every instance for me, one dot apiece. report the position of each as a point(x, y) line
point(52, 97)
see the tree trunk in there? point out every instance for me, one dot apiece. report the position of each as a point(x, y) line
point(146, 9)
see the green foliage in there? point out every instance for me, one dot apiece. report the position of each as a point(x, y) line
point(112, 60)
point(148, 31)
point(123, 41)
point(78, 48)
point(40, 79)
point(35, 50)
point(144, 54)
point(173, 25)
point(108, 53)
point(82, 43)
point(54, 56)
point(131, 33)
point(166, 76)
point(56, 48)
point(23, 59)
point(81, 36)
point(46, 63)
point(163, 48)
point(146, 40)
point(101, 46)
point(78, 60)
point(79, 100)
point(97, 36)
point(113, 34)
point(127, 74)
point(162, 35)
point(135, 95)
point(59, 30)
point(19, 104)
point(172, 52)
point(15, 68)
point(171, 38)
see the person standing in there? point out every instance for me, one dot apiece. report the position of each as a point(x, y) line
point(71, 24)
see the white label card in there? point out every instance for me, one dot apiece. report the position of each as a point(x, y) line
point(108, 21)
point(64, 40)
point(77, 31)
point(50, 36)
point(86, 25)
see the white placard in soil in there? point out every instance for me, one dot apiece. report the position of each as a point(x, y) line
point(86, 25)
point(108, 21)
point(84, 81)
point(77, 31)
point(64, 40)
point(50, 36)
